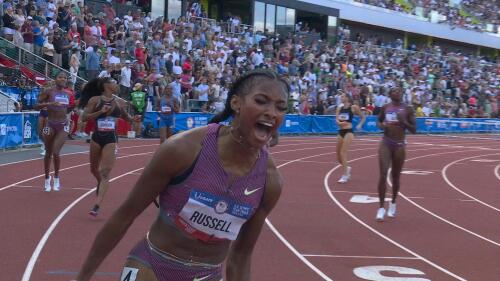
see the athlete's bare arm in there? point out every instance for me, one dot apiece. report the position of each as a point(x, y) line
point(172, 158)
point(240, 253)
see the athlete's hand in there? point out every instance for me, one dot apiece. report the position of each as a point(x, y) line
point(401, 117)
point(358, 128)
point(105, 109)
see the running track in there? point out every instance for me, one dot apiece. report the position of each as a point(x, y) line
point(446, 229)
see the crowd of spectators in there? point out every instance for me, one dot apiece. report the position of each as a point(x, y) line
point(199, 60)
point(478, 15)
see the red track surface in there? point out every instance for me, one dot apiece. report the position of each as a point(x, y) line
point(446, 228)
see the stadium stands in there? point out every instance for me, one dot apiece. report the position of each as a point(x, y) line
point(200, 58)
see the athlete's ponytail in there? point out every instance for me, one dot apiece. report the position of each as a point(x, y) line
point(242, 87)
point(94, 87)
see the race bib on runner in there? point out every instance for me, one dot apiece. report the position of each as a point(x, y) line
point(166, 109)
point(129, 274)
point(391, 117)
point(62, 99)
point(106, 124)
point(206, 216)
point(344, 116)
point(46, 131)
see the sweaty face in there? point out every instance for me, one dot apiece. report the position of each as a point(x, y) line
point(111, 86)
point(262, 110)
point(395, 94)
point(344, 98)
point(61, 80)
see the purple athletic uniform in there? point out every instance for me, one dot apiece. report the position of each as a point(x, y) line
point(206, 204)
point(61, 97)
point(391, 117)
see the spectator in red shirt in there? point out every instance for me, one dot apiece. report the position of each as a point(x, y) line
point(72, 32)
point(139, 53)
point(187, 64)
point(104, 29)
point(472, 101)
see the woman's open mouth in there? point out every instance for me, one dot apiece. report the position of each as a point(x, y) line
point(263, 130)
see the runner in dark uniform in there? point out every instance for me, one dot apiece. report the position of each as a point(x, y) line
point(344, 118)
point(101, 105)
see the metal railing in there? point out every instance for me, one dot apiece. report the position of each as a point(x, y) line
point(38, 65)
point(35, 64)
point(390, 51)
point(7, 104)
point(226, 26)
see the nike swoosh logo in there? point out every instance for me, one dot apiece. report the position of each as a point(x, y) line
point(200, 279)
point(250, 192)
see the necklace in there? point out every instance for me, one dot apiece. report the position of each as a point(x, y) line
point(238, 139)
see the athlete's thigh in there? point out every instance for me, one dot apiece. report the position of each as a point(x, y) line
point(163, 131)
point(398, 159)
point(108, 156)
point(384, 158)
point(59, 140)
point(347, 141)
point(95, 154)
point(49, 136)
point(135, 270)
point(340, 143)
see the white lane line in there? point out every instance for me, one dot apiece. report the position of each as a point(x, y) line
point(67, 168)
point(337, 202)
point(31, 264)
point(389, 194)
point(62, 188)
point(307, 161)
point(285, 241)
point(72, 153)
point(288, 244)
point(497, 171)
point(359, 257)
point(315, 143)
point(39, 247)
point(445, 177)
point(434, 214)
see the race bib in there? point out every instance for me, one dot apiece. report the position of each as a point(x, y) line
point(391, 117)
point(62, 99)
point(208, 217)
point(106, 124)
point(166, 109)
point(344, 116)
point(46, 131)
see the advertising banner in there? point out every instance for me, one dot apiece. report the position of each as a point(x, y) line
point(11, 130)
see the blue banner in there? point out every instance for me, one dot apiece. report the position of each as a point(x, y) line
point(11, 130)
point(325, 124)
point(30, 128)
point(18, 129)
point(183, 121)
